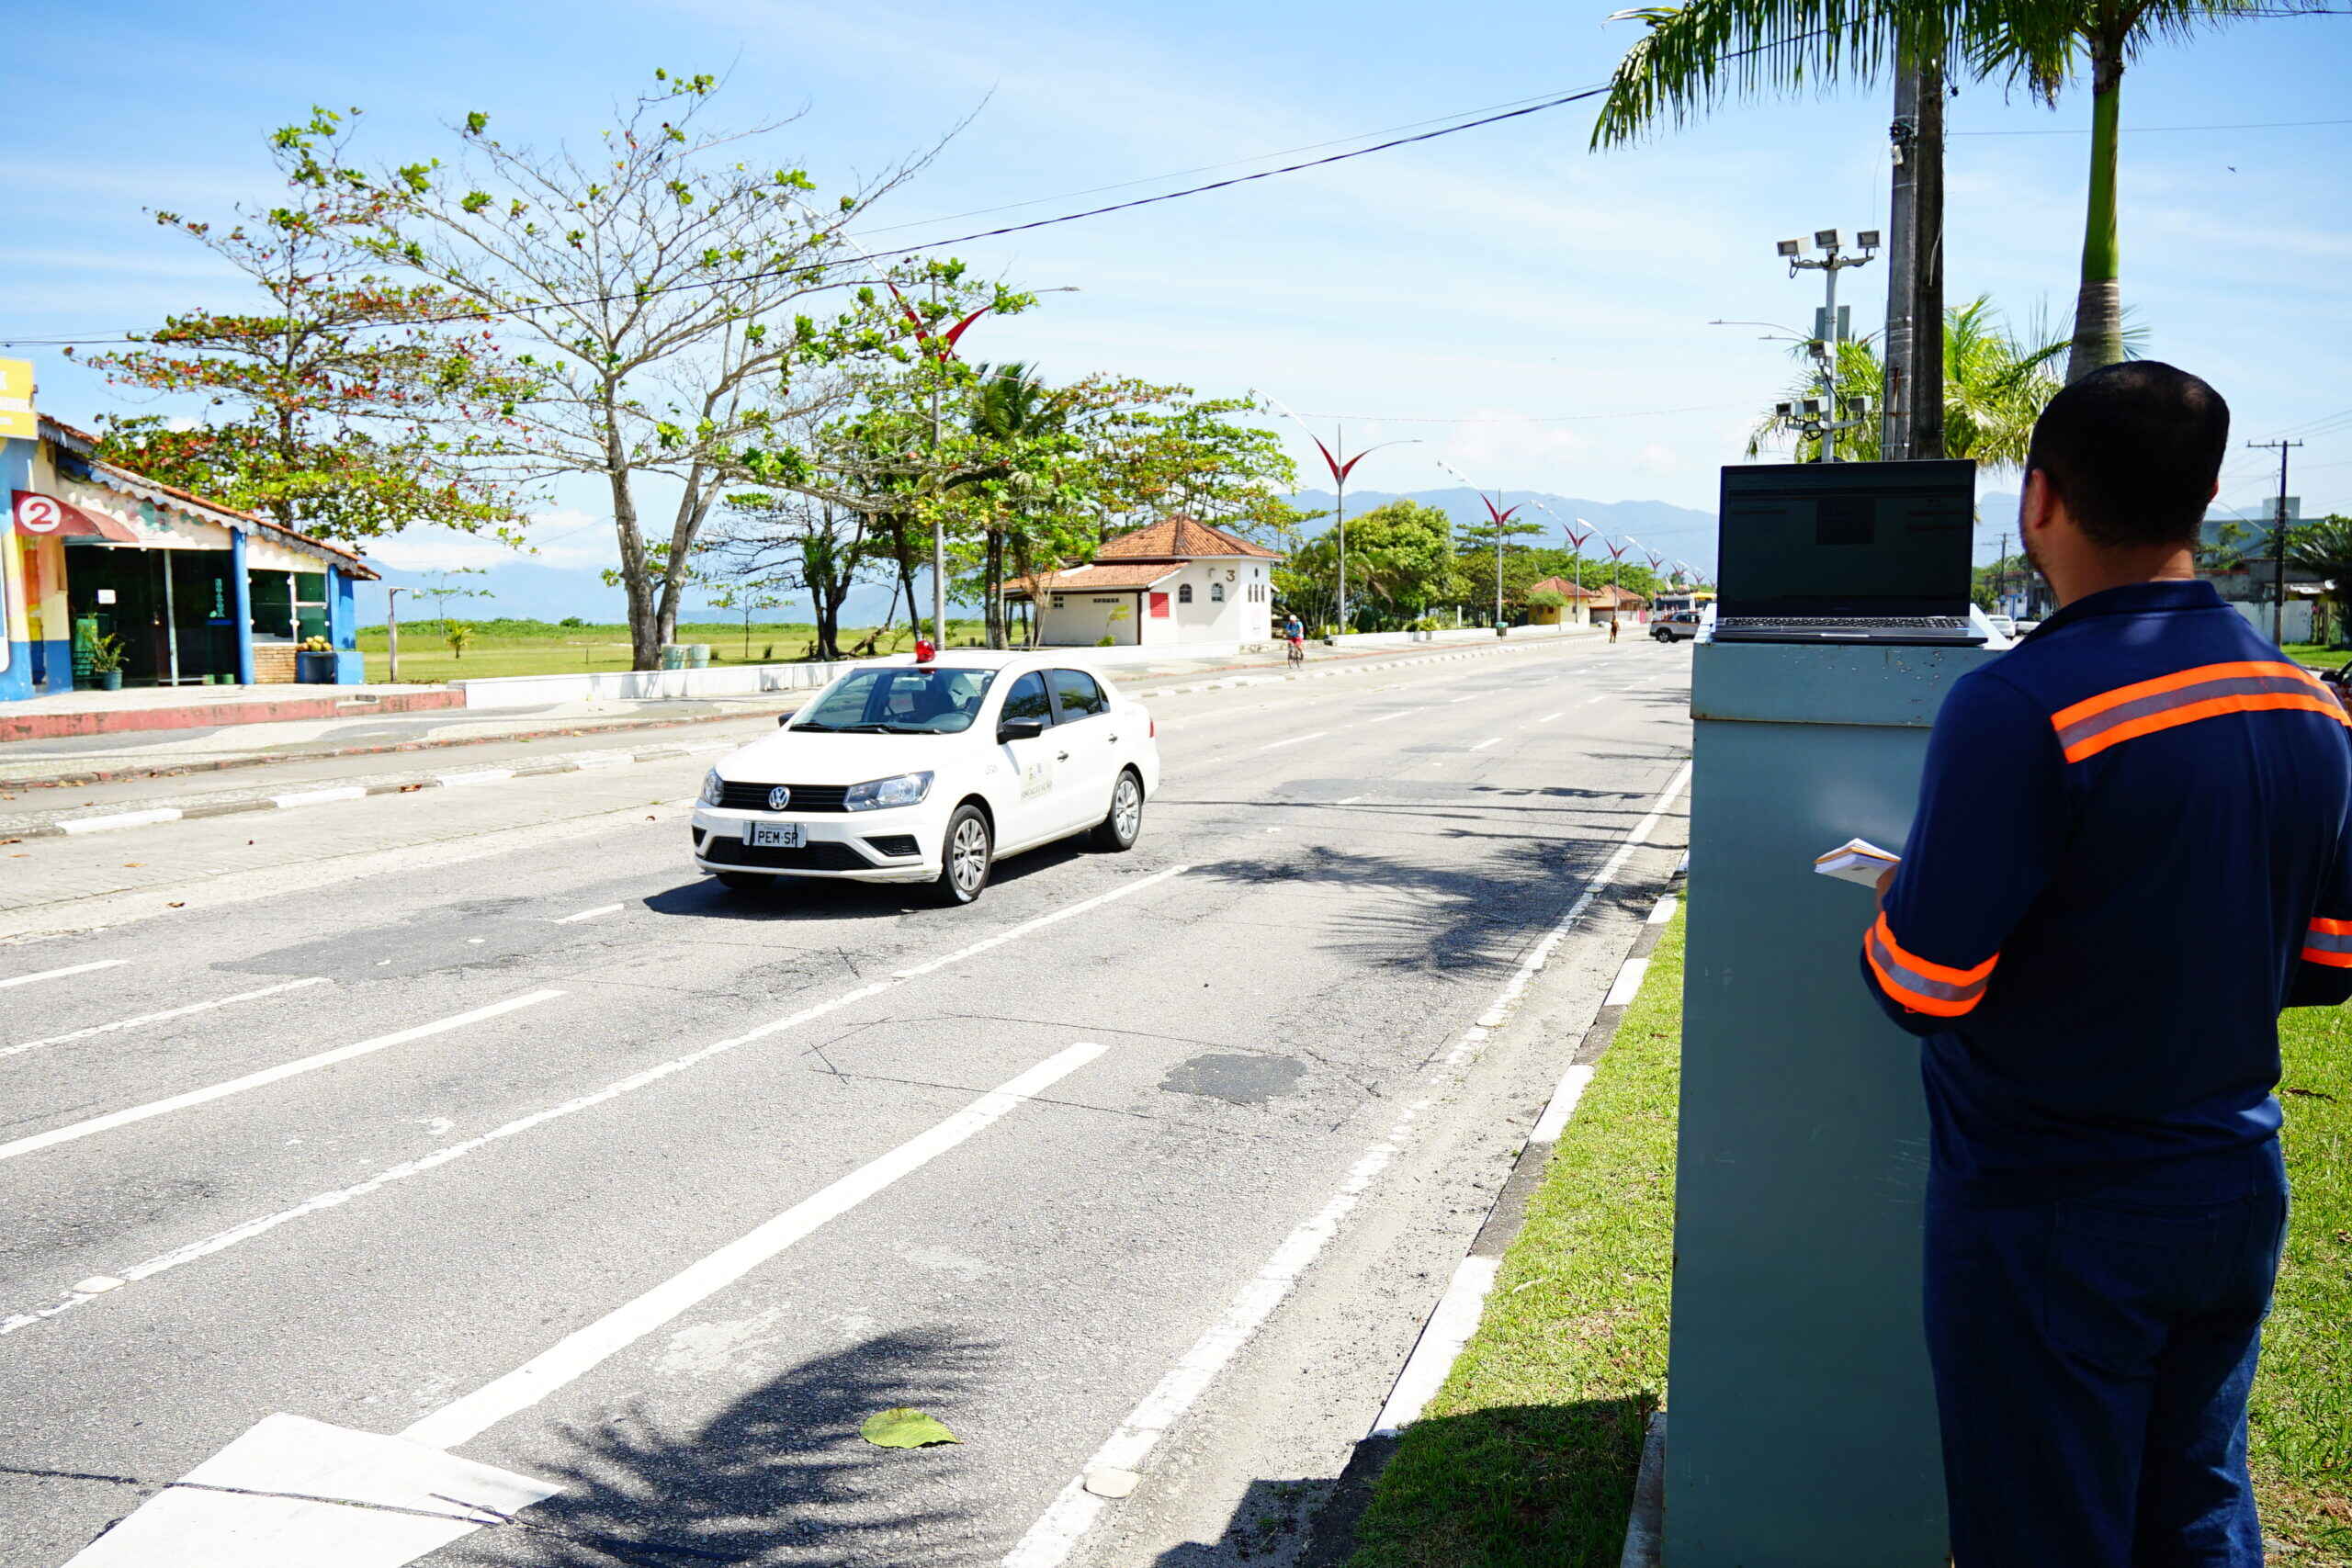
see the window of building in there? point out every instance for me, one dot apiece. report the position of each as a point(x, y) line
point(1184, 594)
point(1216, 592)
point(310, 603)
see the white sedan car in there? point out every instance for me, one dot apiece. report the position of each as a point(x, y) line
point(901, 772)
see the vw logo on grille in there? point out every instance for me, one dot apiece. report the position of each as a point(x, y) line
point(779, 798)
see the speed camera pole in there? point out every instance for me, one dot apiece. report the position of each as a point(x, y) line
point(1828, 332)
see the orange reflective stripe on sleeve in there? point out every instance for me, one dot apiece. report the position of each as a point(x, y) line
point(1919, 985)
point(2186, 696)
point(2329, 942)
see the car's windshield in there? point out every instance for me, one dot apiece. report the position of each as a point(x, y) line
point(926, 701)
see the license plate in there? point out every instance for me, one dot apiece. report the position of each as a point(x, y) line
point(775, 835)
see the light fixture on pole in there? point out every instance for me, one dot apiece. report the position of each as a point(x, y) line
point(1820, 417)
point(1576, 546)
point(1341, 466)
point(1500, 519)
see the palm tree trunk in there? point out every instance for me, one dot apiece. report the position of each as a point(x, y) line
point(2098, 309)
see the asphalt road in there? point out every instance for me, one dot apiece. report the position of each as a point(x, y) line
point(478, 1116)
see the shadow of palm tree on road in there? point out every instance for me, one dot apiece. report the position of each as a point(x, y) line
point(779, 1477)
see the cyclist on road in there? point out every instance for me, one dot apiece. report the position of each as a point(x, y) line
point(1295, 634)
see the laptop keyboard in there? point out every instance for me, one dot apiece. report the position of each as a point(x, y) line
point(1844, 622)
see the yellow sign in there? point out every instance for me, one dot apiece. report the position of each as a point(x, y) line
point(17, 417)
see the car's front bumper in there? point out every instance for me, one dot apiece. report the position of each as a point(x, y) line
point(852, 846)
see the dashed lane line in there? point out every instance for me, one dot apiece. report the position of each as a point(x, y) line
point(205, 1096)
point(60, 973)
point(97, 1029)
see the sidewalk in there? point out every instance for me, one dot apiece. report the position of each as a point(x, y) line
point(96, 759)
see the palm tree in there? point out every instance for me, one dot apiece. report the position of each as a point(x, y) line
point(1696, 54)
point(1995, 386)
point(1013, 408)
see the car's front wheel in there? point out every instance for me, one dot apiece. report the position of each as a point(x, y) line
point(1123, 824)
point(966, 855)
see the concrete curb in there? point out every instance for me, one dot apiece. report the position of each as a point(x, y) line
point(290, 800)
point(1455, 1318)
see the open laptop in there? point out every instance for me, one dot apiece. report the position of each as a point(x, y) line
point(1847, 552)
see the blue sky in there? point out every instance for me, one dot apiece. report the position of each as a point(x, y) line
point(1536, 314)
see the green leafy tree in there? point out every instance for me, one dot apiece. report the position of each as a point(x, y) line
point(1696, 54)
point(346, 405)
point(2324, 548)
point(1400, 561)
point(661, 282)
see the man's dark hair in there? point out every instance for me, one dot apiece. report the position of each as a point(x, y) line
point(2133, 450)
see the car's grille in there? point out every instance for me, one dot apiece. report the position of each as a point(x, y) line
point(893, 844)
point(822, 854)
point(805, 797)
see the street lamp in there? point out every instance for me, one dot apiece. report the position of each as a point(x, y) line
point(1499, 517)
point(1819, 416)
point(1340, 464)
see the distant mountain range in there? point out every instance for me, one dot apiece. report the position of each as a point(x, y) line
point(526, 589)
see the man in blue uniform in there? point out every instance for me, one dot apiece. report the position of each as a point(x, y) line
point(2131, 852)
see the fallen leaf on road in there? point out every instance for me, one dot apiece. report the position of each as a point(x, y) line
point(904, 1426)
point(410, 789)
point(132, 864)
point(176, 904)
point(11, 840)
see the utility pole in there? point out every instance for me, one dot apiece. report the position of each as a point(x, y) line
point(2278, 542)
point(392, 631)
point(1911, 423)
point(1824, 422)
point(1336, 459)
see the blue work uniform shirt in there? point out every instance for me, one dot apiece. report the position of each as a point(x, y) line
point(2131, 852)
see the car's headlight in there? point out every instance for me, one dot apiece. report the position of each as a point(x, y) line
point(714, 789)
point(876, 795)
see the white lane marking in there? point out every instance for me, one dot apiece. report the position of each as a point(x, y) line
point(1489, 740)
point(1384, 718)
point(1026, 927)
point(1663, 911)
point(1602, 698)
point(1550, 716)
point(1473, 697)
point(1627, 984)
point(578, 1353)
point(97, 1029)
point(317, 796)
point(120, 819)
point(1073, 1511)
point(1555, 1119)
point(60, 973)
point(476, 776)
point(67, 1135)
point(222, 1241)
point(587, 914)
point(1294, 740)
point(1448, 1329)
point(1349, 801)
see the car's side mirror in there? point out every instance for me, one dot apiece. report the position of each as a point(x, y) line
point(782, 719)
point(1019, 729)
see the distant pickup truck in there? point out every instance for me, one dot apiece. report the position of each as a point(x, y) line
point(1679, 627)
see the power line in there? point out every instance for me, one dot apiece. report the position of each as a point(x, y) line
point(1524, 418)
point(488, 313)
point(2156, 129)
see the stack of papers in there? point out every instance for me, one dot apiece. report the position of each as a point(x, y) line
point(1858, 860)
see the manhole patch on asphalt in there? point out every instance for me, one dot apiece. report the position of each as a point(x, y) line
point(1235, 1078)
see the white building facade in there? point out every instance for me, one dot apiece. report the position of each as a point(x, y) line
point(1176, 583)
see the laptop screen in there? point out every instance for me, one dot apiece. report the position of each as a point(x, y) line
point(1846, 538)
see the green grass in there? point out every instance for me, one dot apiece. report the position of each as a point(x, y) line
point(2317, 657)
point(540, 648)
point(1526, 1457)
point(2302, 1415)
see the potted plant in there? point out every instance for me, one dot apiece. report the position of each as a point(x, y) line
point(105, 661)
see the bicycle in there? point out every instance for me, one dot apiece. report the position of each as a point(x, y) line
point(1297, 652)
